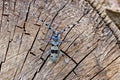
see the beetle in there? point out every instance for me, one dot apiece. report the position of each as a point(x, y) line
point(55, 53)
point(55, 40)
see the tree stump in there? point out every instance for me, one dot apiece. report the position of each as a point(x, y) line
point(90, 46)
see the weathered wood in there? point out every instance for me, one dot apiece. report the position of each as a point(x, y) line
point(115, 16)
point(91, 48)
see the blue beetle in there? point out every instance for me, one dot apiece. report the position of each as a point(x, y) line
point(54, 51)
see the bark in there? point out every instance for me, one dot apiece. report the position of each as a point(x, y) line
point(91, 46)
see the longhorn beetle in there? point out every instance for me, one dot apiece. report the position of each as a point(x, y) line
point(54, 51)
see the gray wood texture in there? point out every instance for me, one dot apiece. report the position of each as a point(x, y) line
point(91, 47)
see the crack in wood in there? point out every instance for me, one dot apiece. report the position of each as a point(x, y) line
point(38, 25)
point(79, 62)
point(15, 74)
point(69, 56)
point(58, 12)
point(68, 48)
point(27, 16)
point(29, 50)
point(32, 53)
point(40, 67)
point(34, 75)
point(104, 68)
point(15, 5)
point(5, 55)
point(75, 72)
point(5, 14)
point(19, 27)
point(118, 43)
point(27, 33)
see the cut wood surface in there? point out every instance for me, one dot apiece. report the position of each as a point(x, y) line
point(91, 46)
